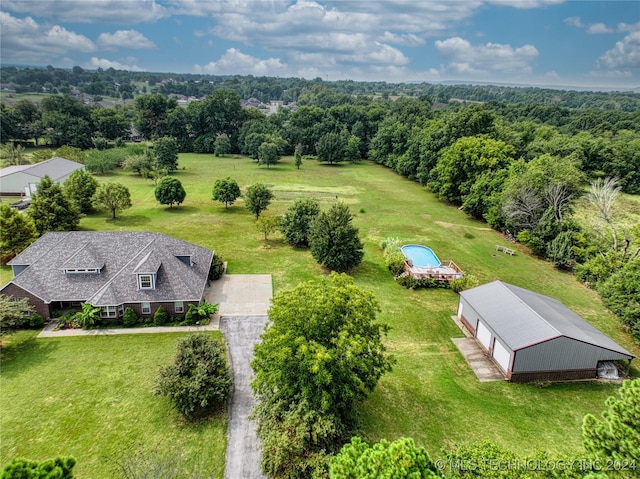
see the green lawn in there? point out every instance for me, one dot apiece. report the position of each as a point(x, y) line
point(92, 398)
point(431, 395)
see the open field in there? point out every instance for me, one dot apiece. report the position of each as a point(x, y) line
point(431, 395)
point(92, 398)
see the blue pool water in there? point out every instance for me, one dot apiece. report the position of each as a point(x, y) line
point(420, 256)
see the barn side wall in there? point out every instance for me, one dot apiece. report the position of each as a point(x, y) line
point(562, 354)
point(566, 375)
point(469, 316)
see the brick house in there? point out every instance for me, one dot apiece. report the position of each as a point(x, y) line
point(111, 270)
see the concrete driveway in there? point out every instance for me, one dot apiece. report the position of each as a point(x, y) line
point(244, 301)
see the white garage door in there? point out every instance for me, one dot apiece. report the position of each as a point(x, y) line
point(501, 355)
point(484, 335)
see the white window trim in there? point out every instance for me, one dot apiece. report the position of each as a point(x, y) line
point(145, 310)
point(179, 309)
point(151, 281)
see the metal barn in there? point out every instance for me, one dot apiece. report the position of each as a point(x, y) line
point(21, 180)
point(533, 337)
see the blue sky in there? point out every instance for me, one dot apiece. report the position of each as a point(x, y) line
point(540, 42)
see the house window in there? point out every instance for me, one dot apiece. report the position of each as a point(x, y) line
point(145, 281)
point(179, 305)
point(146, 308)
point(108, 311)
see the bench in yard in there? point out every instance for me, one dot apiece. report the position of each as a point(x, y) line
point(505, 250)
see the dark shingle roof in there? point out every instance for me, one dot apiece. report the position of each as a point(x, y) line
point(121, 255)
point(521, 317)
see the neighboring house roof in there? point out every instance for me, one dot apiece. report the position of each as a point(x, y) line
point(120, 256)
point(522, 318)
point(56, 168)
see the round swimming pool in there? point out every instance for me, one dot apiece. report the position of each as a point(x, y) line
point(420, 256)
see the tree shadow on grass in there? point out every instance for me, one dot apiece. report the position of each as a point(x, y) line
point(181, 209)
point(128, 220)
point(20, 352)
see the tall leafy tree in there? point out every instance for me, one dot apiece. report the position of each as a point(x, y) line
point(16, 233)
point(305, 405)
point(334, 241)
point(620, 292)
point(67, 121)
point(222, 144)
point(165, 150)
point(331, 148)
point(268, 154)
point(153, 111)
point(226, 191)
point(616, 436)
point(80, 188)
point(51, 210)
point(257, 198)
point(296, 221)
point(112, 196)
point(169, 191)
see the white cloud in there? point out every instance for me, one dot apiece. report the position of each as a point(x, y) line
point(124, 39)
point(625, 54)
point(525, 4)
point(574, 22)
point(93, 11)
point(25, 39)
point(408, 39)
point(105, 64)
point(238, 63)
point(628, 27)
point(466, 58)
point(597, 28)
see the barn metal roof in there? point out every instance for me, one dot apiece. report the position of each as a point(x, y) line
point(55, 168)
point(522, 318)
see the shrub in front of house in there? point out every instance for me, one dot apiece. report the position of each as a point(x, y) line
point(466, 282)
point(192, 316)
point(160, 317)
point(217, 268)
point(130, 318)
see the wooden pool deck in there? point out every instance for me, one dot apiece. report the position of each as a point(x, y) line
point(444, 273)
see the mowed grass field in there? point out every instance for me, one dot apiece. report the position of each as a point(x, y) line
point(432, 395)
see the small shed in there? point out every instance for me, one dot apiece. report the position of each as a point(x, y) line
point(533, 337)
point(21, 180)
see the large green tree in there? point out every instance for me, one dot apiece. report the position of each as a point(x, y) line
point(463, 162)
point(226, 190)
point(51, 210)
point(331, 148)
point(296, 221)
point(321, 355)
point(400, 459)
point(80, 188)
point(329, 328)
point(334, 241)
point(112, 196)
point(17, 231)
point(616, 436)
point(620, 292)
point(257, 198)
point(198, 381)
point(268, 154)
point(165, 150)
point(170, 191)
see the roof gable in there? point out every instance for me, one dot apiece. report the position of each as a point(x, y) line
point(120, 256)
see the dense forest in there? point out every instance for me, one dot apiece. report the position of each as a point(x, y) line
point(519, 159)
